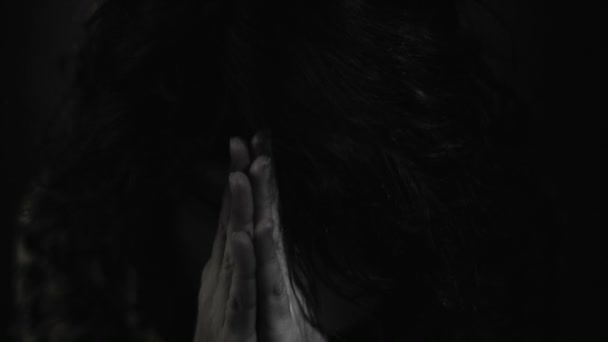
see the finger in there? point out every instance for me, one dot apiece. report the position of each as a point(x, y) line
point(239, 159)
point(241, 220)
point(239, 154)
point(240, 315)
point(241, 208)
point(262, 175)
point(272, 291)
point(259, 173)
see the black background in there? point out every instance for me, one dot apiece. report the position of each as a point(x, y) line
point(559, 73)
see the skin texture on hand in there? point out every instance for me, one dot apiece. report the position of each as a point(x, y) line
point(245, 293)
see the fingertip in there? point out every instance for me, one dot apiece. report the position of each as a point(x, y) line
point(259, 166)
point(261, 143)
point(233, 142)
point(233, 147)
point(256, 140)
point(239, 154)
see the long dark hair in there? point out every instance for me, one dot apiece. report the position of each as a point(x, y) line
point(382, 132)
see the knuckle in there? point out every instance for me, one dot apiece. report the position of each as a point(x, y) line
point(267, 224)
point(247, 277)
point(228, 263)
point(277, 289)
point(238, 304)
point(265, 228)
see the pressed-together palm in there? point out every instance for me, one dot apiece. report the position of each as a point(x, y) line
point(245, 294)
